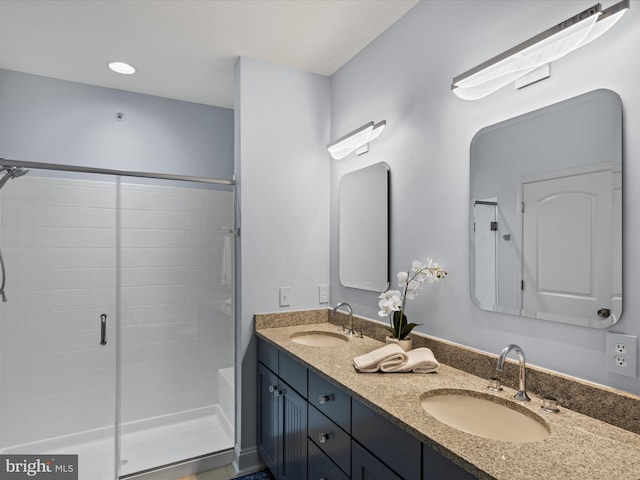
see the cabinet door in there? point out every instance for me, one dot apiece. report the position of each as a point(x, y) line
point(294, 435)
point(269, 419)
point(367, 467)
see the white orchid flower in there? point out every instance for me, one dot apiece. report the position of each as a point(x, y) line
point(410, 283)
point(390, 301)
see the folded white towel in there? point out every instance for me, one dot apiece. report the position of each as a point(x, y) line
point(391, 355)
point(419, 360)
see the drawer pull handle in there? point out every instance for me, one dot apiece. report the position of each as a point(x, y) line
point(326, 398)
point(323, 437)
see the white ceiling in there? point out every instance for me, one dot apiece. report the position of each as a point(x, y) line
point(185, 49)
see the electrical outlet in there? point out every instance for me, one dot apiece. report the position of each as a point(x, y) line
point(622, 354)
point(620, 348)
point(620, 361)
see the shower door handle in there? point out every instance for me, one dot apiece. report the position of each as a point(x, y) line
point(103, 329)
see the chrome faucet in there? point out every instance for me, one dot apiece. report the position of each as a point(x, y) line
point(522, 389)
point(349, 310)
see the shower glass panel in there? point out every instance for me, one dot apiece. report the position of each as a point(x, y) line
point(57, 376)
point(149, 264)
point(176, 257)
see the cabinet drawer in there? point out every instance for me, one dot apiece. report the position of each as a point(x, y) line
point(293, 372)
point(268, 355)
point(435, 466)
point(320, 467)
point(330, 438)
point(330, 400)
point(395, 447)
point(368, 467)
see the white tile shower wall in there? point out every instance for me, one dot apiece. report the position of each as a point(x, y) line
point(177, 325)
point(59, 244)
point(58, 239)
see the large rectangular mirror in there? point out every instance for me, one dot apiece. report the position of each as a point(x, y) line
point(546, 213)
point(363, 229)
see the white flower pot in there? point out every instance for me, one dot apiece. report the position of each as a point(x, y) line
point(406, 344)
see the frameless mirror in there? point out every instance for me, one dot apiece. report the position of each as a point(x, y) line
point(546, 213)
point(363, 228)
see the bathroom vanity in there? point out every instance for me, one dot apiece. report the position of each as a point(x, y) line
point(344, 438)
point(319, 418)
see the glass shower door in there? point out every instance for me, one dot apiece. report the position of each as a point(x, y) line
point(176, 286)
point(58, 326)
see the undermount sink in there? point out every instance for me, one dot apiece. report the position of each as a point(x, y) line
point(485, 415)
point(320, 339)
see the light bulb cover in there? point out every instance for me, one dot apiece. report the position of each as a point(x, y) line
point(122, 68)
point(539, 50)
point(354, 140)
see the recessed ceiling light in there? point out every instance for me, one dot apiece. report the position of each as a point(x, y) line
point(121, 67)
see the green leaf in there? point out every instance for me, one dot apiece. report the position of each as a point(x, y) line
point(406, 330)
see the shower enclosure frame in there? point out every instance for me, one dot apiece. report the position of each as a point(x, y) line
point(144, 175)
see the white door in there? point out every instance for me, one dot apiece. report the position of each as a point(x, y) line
point(485, 257)
point(567, 246)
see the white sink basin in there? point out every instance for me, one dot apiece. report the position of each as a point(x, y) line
point(320, 339)
point(485, 415)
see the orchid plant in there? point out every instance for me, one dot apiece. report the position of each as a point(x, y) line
point(393, 302)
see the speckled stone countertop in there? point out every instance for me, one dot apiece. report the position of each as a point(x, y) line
point(579, 447)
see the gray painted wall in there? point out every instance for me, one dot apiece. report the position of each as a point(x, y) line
point(55, 121)
point(282, 125)
point(404, 76)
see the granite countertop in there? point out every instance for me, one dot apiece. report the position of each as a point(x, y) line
point(579, 447)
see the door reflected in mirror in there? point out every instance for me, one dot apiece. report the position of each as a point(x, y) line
point(546, 213)
point(363, 228)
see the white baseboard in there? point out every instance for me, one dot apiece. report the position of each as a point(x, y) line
point(247, 460)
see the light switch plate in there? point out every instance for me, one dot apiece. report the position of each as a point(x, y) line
point(285, 296)
point(323, 293)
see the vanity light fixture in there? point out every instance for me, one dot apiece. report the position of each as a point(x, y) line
point(122, 67)
point(356, 141)
point(534, 55)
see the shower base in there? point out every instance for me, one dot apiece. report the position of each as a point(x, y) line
point(145, 445)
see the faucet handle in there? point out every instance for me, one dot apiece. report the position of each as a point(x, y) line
point(495, 385)
point(550, 404)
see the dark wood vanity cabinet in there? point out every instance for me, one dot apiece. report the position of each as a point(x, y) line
point(309, 428)
point(270, 430)
point(282, 415)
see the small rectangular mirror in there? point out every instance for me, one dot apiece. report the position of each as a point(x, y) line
point(546, 213)
point(364, 228)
